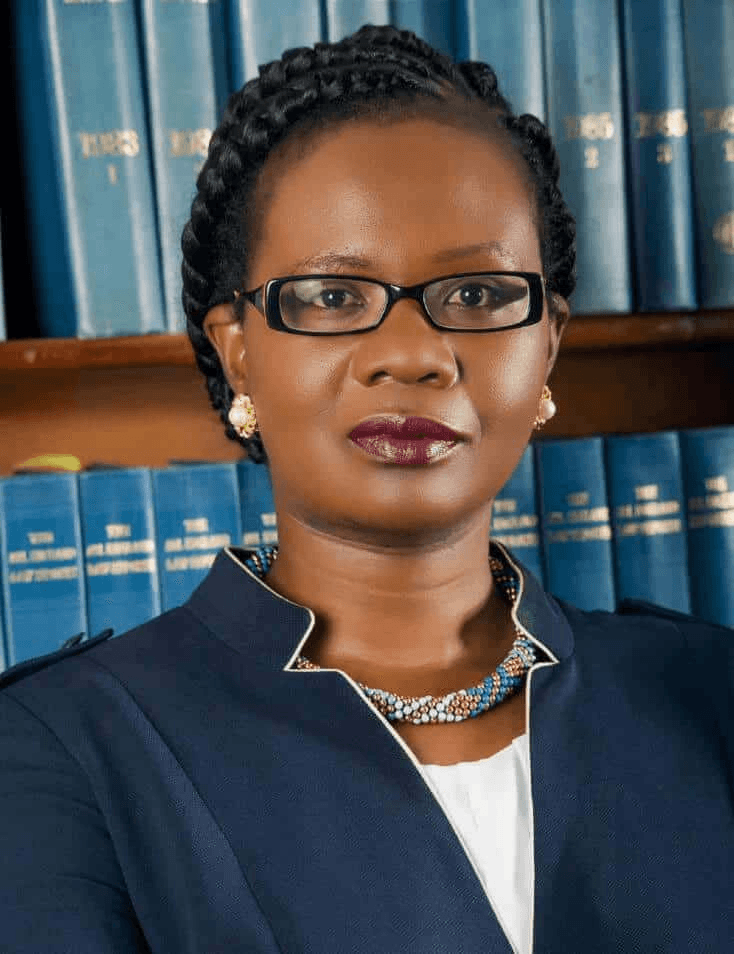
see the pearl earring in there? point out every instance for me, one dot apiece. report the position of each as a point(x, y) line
point(242, 416)
point(546, 409)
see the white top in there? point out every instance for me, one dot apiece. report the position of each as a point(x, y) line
point(488, 802)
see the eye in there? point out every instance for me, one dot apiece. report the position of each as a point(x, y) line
point(329, 295)
point(475, 295)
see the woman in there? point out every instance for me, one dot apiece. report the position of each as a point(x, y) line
point(330, 746)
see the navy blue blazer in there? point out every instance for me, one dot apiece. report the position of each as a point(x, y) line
point(178, 789)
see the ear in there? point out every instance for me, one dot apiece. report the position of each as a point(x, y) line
point(559, 312)
point(226, 333)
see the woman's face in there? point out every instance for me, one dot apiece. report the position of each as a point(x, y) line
point(403, 203)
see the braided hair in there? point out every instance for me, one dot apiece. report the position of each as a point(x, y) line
point(379, 71)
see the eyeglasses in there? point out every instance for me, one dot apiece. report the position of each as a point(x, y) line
point(351, 304)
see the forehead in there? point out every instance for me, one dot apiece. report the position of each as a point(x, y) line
point(397, 194)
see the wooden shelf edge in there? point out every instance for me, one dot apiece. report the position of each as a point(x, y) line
point(640, 332)
point(584, 333)
point(77, 354)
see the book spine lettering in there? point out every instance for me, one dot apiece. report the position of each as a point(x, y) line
point(647, 504)
point(584, 88)
point(41, 559)
point(576, 530)
point(197, 511)
point(660, 187)
point(709, 39)
point(83, 93)
point(121, 568)
point(708, 471)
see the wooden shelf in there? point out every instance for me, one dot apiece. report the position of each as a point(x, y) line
point(142, 351)
point(584, 333)
point(648, 332)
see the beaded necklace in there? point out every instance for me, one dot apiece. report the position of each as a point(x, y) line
point(455, 706)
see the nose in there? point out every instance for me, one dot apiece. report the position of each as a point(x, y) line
point(406, 348)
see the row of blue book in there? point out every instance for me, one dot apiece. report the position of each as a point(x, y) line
point(113, 547)
point(597, 519)
point(118, 98)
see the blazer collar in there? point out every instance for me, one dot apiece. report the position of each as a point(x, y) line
point(254, 619)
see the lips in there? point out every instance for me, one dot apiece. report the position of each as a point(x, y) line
point(404, 428)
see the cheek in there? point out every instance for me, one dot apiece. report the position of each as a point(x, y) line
point(511, 380)
point(294, 378)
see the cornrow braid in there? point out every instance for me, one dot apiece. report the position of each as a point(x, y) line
point(374, 70)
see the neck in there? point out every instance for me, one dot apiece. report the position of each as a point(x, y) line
point(434, 607)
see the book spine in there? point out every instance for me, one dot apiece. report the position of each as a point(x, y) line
point(197, 512)
point(576, 532)
point(584, 90)
point(345, 16)
point(510, 38)
point(647, 504)
point(660, 187)
point(41, 563)
point(708, 476)
point(118, 529)
point(515, 520)
point(82, 93)
point(259, 524)
point(709, 39)
point(187, 84)
point(262, 30)
point(3, 626)
point(431, 20)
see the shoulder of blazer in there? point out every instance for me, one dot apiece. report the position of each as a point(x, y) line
point(641, 608)
point(72, 647)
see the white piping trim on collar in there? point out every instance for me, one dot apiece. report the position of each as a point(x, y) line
point(312, 623)
point(513, 608)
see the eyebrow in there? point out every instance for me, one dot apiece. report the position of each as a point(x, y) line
point(336, 260)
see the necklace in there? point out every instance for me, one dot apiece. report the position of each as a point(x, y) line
point(455, 706)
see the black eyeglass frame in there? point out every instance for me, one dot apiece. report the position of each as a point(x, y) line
point(266, 298)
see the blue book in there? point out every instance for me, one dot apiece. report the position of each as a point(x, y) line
point(259, 524)
point(709, 37)
point(346, 16)
point(3, 638)
point(197, 512)
point(576, 532)
point(41, 563)
point(431, 20)
point(647, 504)
point(262, 30)
point(510, 38)
point(515, 520)
point(585, 117)
point(708, 474)
point(660, 186)
point(187, 86)
point(118, 529)
point(89, 187)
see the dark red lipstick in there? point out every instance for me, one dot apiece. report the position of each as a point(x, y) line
point(405, 440)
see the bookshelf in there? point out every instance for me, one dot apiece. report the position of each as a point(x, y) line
point(141, 400)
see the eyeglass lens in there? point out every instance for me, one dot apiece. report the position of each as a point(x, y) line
point(334, 304)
